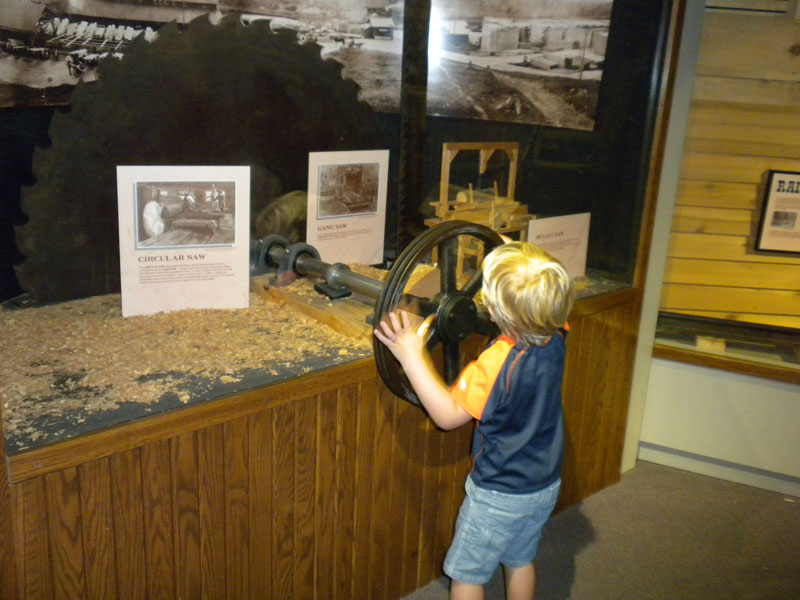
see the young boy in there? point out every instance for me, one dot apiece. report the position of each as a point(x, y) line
point(513, 391)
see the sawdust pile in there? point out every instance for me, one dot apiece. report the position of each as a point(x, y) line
point(83, 355)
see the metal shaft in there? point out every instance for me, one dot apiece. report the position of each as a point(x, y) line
point(340, 275)
point(335, 275)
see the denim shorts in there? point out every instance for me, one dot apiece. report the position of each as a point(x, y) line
point(494, 528)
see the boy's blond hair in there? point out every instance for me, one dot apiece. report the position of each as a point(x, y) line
point(528, 291)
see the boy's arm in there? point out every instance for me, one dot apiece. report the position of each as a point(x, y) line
point(409, 349)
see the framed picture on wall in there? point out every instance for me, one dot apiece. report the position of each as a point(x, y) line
point(779, 229)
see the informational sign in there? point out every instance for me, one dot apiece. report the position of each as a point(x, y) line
point(347, 205)
point(184, 237)
point(566, 238)
point(780, 226)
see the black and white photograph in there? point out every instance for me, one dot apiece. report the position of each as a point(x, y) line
point(347, 205)
point(524, 61)
point(47, 48)
point(191, 213)
point(347, 190)
point(783, 219)
point(779, 229)
point(183, 237)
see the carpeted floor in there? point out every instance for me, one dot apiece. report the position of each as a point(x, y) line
point(666, 534)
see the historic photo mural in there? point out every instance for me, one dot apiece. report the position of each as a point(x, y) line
point(524, 61)
point(46, 48)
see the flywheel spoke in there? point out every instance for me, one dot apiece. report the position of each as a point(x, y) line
point(432, 339)
point(448, 258)
point(484, 324)
point(452, 365)
point(473, 285)
point(417, 305)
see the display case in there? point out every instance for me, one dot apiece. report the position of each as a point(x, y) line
point(316, 480)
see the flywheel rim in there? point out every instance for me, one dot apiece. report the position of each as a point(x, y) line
point(392, 294)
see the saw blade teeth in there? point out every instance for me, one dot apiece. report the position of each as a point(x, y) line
point(209, 94)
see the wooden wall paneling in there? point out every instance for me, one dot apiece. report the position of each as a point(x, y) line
point(721, 247)
point(365, 474)
point(129, 540)
point(599, 435)
point(428, 569)
point(719, 194)
point(327, 484)
point(600, 370)
point(732, 109)
point(778, 321)
point(304, 496)
point(441, 529)
point(733, 168)
point(237, 508)
point(743, 139)
point(397, 559)
point(32, 540)
point(746, 91)
point(679, 296)
point(382, 505)
point(410, 567)
point(157, 502)
point(575, 398)
point(742, 147)
point(720, 221)
point(778, 7)
point(260, 508)
point(97, 520)
point(9, 580)
point(595, 396)
point(764, 275)
point(625, 332)
point(211, 486)
point(455, 463)
point(186, 515)
point(283, 497)
point(343, 508)
point(62, 491)
point(748, 46)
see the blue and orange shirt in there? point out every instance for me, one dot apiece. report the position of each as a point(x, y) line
point(514, 393)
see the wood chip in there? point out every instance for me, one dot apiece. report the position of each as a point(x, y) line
point(83, 355)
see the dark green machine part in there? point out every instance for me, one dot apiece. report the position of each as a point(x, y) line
point(224, 94)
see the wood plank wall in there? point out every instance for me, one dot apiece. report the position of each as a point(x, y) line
point(318, 498)
point(744, 121)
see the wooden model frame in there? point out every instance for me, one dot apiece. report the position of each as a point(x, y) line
point(502, 213)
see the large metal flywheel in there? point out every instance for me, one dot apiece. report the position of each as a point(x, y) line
point(224, 94)
point(450, 257)
point(452, 310)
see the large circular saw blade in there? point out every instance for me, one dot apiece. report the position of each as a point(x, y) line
point(224, 94)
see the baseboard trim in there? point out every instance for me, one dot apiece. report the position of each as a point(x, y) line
point(703, 465)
